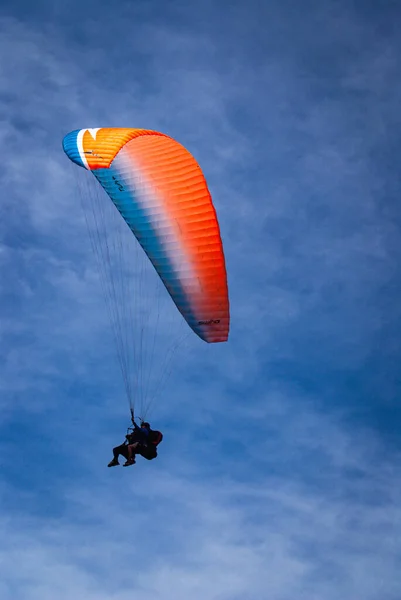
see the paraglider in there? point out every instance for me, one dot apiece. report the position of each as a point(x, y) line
point(139, 440)
point(162, 195)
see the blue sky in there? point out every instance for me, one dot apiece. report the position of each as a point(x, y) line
point(278, 477)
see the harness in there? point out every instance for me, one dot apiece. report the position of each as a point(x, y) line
point(155, 437)
point(148, 449)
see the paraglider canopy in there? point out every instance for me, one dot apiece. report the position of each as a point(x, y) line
point(161, 193)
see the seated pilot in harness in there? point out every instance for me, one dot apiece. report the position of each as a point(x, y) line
point(139, 440)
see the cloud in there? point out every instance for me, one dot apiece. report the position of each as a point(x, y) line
point(278, 473)
point(275, 535)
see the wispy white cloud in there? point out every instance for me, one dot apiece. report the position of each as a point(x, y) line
point(222, 538)
point(283, 481)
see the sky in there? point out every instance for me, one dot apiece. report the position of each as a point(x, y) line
point(279, 474)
